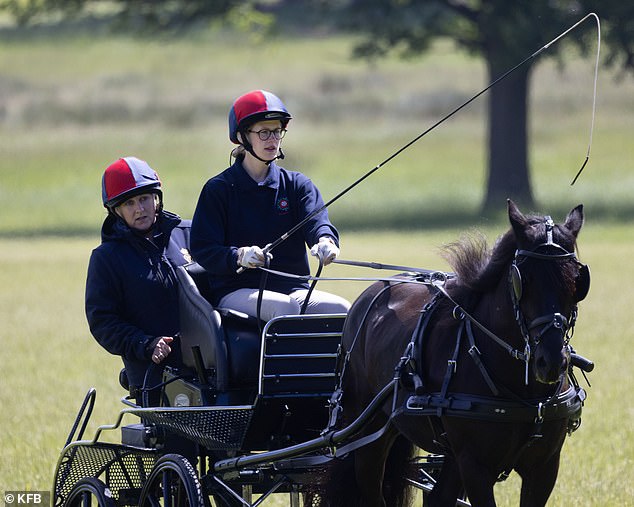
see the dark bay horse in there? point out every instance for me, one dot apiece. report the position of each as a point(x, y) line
point(481, 361)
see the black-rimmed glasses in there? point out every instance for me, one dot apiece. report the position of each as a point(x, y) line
point(264, 134)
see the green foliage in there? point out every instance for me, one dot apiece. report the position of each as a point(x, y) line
point(619, 30)
point(145, 16)
point(502, 32)
point(28, 11)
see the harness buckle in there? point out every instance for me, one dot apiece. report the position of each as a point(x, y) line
point(540, 413)
point(458, 313)
point(559, 321)
point(405, 358)
point(473, 350)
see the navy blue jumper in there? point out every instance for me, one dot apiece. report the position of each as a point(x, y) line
point(132, 291)
point(234, 210)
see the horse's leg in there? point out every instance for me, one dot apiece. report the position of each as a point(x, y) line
point(396, 489)
point(477, 479)
point(369, 465)
point(448, 487)
point(538, 482)
point(369, 468)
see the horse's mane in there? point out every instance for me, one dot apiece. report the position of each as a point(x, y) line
point(477, 267)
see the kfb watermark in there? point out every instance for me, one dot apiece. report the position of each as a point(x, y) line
point(27, 498)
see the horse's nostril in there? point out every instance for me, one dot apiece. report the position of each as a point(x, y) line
point(548, 372)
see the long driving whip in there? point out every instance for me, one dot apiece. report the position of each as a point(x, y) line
point(300, 224)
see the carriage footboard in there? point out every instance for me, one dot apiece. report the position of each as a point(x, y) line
point(122, 468)
point(216, 428)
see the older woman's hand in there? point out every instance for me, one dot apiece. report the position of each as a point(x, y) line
point(161, 348)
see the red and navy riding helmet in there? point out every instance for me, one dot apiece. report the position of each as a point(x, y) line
point(126, 178)
point(255, 106)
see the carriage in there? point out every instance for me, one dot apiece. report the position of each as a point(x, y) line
point(256, 409)
point(254, 406)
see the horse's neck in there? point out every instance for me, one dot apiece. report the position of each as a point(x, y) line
point(495, 312)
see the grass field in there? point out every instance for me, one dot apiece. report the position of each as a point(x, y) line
point(71, 105)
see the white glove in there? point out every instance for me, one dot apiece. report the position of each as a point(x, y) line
point(253, 257)
point(326, 250)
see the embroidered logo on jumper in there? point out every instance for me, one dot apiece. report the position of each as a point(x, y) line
point(283, 205)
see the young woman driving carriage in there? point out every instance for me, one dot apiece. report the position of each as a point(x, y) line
point(251, 204)
point(131, 288)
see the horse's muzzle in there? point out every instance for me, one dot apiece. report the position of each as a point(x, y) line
point(552, 355)
point(549, 367)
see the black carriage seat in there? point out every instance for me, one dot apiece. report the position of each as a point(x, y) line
point(229, 342)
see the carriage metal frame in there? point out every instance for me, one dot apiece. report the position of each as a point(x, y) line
point(254, 432)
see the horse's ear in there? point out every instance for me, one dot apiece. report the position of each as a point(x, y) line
point(517, 219)
point(574, 220)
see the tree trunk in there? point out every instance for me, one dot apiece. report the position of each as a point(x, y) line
point(508, 175)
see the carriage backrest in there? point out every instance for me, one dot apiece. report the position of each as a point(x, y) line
point(201, 325)
point(229, 341)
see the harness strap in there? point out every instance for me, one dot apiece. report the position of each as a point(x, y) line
point(360, 442)
point(475, 355)
point(334, 405)
point(548, 256)
point(361, 324)
point(416, 341)
point(555, 320)
point(505, 474)
point(258, 306)
point(302, 311)
point(451, 366)
point(537, 428)
point(419, 279)
point(514, 353)
point(535, 436)
point(430, 273)
point(566, 405)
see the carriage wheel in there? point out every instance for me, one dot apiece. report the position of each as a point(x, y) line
point(173, 482)
point(89, 491)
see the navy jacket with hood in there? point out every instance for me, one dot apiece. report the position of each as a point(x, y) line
point(132, 291)
point(233, 211)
